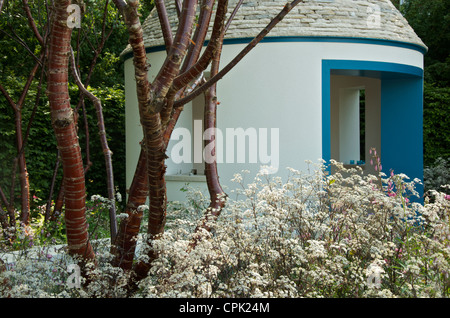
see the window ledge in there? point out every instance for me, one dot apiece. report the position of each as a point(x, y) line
point(185, 178)
point(348, 166)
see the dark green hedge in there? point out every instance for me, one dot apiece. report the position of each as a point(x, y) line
point(41, 152)
point(436, 123)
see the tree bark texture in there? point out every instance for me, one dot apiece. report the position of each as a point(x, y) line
point(216, 193)
point(125, 245)
point(66, 134)
point(107, 153)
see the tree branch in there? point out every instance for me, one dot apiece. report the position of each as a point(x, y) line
point(194, 71)
point(52, 187)
point(104, 142)
point(200, 34)
point(170, 68)
point(287, 8)
point(66, 135)
point(235, 10)
point(216, 193)
point(164, 22)
point(191, 57)
point(8, 98)
point(125, 245)
point(131, 18)
point(178, 7)
point(32, 23)
point(19, 40)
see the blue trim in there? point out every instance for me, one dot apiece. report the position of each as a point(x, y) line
point(373, 69)
point(401, 112)
point(402, 126)
point(331, 39)
point(326, 110)
point(325, 39)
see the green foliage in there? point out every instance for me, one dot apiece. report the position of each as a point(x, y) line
point(431, 21)
point(97, 216)
point(40, 146)
point(106, 82)
point(437, 175)
point(38, 233)
point(87, 39)
point(113, 104)
point(15, 66)
point(14, 30)
point(51, 232)
point(436, 126)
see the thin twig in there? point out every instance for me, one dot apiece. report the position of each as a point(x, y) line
point(106, 151)
point(165, 24)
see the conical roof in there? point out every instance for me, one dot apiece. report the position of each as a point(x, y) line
point(366, 19)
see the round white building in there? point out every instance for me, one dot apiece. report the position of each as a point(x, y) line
point(298, 95)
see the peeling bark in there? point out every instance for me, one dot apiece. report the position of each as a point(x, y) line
point(216, 193)
point(107, 153)
point(66, 135)
point(215, 41)
point(125, 245)
point(164, 22)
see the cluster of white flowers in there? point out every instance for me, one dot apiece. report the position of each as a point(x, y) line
point(316, 234)
point(46, 272)
point(105, 201)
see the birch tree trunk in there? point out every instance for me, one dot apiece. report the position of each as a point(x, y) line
point(63, 122)
point(125, 245)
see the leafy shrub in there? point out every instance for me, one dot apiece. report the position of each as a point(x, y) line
point(437, 175)
point(436, 123)
point(113, 104)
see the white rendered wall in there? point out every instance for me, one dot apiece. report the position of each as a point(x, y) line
point(276, 86)
point(349, 128)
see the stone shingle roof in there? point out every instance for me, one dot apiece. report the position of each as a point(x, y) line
point(371, 19)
